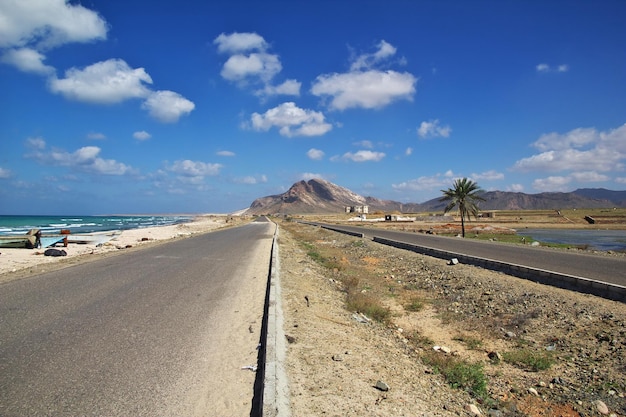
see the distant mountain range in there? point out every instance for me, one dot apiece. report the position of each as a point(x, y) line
point(318, 196)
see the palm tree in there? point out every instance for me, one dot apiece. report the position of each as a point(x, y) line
point(465, 195)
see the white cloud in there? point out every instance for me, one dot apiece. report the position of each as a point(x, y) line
point(363, 156)
point(225, 153)
point(408, 151)
point(96, 136)
point(288, 88)
point(620, 180)
point(37, 143)
point(432, 129)
point(367, 61)
point(578, 150)
point(545, 68)
point(306, 176)
point(589, 176)
point(105, 82)
point(555, 183)
point(365, 144)
point(291, 121)
point(194, 169)
point(242, 67)
point(490, 175)
point(27, 60)
point(5, 173)
point(48, 23)
point(517, 188)
point(142, 135)
point(251, 180)
point(425, 182)
point(167, 106)
point(239, 42)
point(315, 154)
point(370, 89)
point(85, 159)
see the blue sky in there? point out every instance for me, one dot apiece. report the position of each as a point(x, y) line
point(137, 106)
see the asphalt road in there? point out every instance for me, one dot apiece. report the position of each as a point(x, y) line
point(159, 331)
point(595, 267)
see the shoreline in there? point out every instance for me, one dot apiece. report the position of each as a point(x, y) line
point(16, 263)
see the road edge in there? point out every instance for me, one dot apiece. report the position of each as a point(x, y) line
point(275, 383)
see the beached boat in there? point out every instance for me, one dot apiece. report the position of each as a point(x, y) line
point(50, 240)
point(27, 240)
point(96, 238)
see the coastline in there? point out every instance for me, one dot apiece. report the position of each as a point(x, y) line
point(18, 263)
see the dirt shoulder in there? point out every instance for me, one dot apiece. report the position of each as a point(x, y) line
point(541, 351)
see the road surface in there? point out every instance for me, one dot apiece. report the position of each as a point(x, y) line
point(159, 331)
point(596, 267)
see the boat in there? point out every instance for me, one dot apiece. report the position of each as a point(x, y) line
point(50, 240)
point(96, 238)
point(27, 240)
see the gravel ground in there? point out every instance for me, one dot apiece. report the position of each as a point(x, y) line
point(464, 313)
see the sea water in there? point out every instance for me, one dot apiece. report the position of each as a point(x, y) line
point(16, 225)
point(603, 240)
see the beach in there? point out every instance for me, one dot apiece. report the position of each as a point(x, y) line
point(16, 262)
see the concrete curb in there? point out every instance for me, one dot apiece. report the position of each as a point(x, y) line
point(275, 384)
point(555, 279)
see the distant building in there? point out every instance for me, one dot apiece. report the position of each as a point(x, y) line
point(357, 209)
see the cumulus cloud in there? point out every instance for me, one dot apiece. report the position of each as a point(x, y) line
point(27, 60)
point(250, 63)
point(167, 106)
point(48, 23)
point(554, 183)
point(291, 121)
point(105, 82)
point(306, 176)
point(239, 42)
point(315, 154)
point(363, 156)
point(194, 171)
point(142, 135)
point(408, 151)
point(577, 150)
point(365, 86)
point(433, 129)
point(371, 89)
point(425, 183)
point(85, 159)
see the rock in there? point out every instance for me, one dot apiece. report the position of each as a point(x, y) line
point(473, 410)
point(290, 339)
point(453, 261)
point(601, 407)
point(510, 334)
point(381, 385)
point(533, 392)
point(337, 358)
point(495, 356)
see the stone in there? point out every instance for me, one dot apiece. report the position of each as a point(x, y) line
point(453, 261)
point(510, 334)
point(601, 407)
point(473, 409)
point(337, 358)
point(533, 392)
point(495, 356)
point(381, 385)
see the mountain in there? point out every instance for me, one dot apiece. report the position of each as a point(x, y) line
point(318, 196)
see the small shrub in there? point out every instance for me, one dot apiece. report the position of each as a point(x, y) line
point(414, 304)
point(529, 359)
point(364, 303)
point(460, 374)
point(471, 342)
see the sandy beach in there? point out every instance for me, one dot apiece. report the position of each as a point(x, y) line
point(17, 263)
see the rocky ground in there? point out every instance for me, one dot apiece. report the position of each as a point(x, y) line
point(456, 339)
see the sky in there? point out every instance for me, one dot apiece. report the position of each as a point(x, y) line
point(151, 106)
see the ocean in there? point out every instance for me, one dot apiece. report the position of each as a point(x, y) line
point(16, 225)
point(603, 240)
